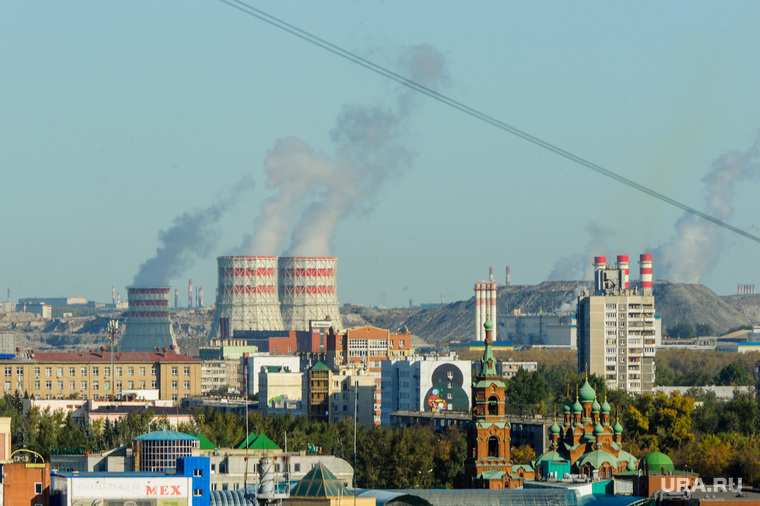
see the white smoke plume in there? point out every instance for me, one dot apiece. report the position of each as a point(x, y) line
point(314, 192)
point(192, 235)
point(699, 244)
point(579, 266)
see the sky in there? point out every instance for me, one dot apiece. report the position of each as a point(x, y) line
point(139, 141)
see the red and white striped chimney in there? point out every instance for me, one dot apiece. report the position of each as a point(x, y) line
point(622, 264)
point(600, 263)
point(645, 272)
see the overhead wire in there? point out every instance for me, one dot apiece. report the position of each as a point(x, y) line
point(444, 99)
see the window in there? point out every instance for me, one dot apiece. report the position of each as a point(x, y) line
point(48, 372)
point(72, 371)
point(19, 371)
point(187, 371)
point(8, 372)
point(60, 385)
point(7, 386)
point(298, 468)
point(187, 385)
point(130, 385)
point(107, 372)
point(197, 492)
point(36, 385)
point(174, 370)
point(96, 371)
point(493, 446)
point(36, 372)
point(118, 371)
point(72, 385)
point(118, 386)
point(174, 385)
point(493, 405)
point(38, 488)
point(84, 386)
point(153, 384)
point(142, 371)
point(107, 385)
point(130, 371)
point(142, 385)
point(59, 372)
point(197, 472)
point(95, 385)
point(84, 371)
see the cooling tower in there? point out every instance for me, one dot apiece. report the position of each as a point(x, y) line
point(246, 296)
point(308, 291)
point(148, 322)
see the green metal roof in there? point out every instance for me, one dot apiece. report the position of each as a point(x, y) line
point(165, 435)
point(320, 366)
point(597, 458)
point(319, 482)
point(205, 444)
point(257, 442)
point(655, 462)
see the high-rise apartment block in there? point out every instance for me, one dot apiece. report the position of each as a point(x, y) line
point(618, 328)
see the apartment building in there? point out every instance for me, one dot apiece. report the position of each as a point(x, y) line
point(89, 375)
point(617, 327)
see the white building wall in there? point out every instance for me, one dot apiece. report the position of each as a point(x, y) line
point(256, 361)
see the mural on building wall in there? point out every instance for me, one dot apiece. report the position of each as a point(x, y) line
point(447, 393)
point(278, 400)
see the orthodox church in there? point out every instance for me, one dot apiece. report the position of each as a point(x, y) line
point(585, 444)
point(586, 441)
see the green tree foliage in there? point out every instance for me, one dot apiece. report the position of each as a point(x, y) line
point(659, 422)
point(733, 374)
point(527, 392)
point(704, 329)
point(681, 330)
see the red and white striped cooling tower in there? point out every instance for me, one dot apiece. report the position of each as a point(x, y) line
point(622, 264)
point(485, 306)
point(308, 291)
point(148, 324)
point(246, 295)
point(645, 273)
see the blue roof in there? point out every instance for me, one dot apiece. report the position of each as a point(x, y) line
point(166, 435)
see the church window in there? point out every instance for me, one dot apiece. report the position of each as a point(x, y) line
point(493, 406)
point(493, 446)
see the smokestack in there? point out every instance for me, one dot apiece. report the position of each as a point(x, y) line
point(190, 294)
point(622, 264)
point(509, 280)
point(600, 264)
point(246, 297)
point(113, 295)
point(200, 296)
point(176, 298)
point(490, 274)
point(645, 273)
point(308, 291)
point(478, 314)
point(148, 322)
point(118, 298)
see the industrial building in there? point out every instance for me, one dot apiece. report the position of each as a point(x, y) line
point(543, 330)
point(266, 293)
point(617, 333)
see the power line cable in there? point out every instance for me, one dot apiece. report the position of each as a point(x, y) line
point(354, 58)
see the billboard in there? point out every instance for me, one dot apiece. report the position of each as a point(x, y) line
point(130, 491)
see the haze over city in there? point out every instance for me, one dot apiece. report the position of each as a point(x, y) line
point(141, 141)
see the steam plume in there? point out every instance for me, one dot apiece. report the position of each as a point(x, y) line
point(578, 266)
point(192, 236)
point(314, 192)
point(699, 244)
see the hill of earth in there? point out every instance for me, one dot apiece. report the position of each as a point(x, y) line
point(688, 303)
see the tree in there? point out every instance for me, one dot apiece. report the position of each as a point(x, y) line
point(703, 329)
point(681, 330)
point(523, 454)
point(733, 374)
point(526, 390)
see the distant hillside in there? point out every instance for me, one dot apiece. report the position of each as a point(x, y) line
point(673, 301)
point(439, 325)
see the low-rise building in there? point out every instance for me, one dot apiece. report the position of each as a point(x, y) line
point(281, 390)
point(88, 375)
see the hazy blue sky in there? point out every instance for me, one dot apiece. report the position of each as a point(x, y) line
point(129, 127)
